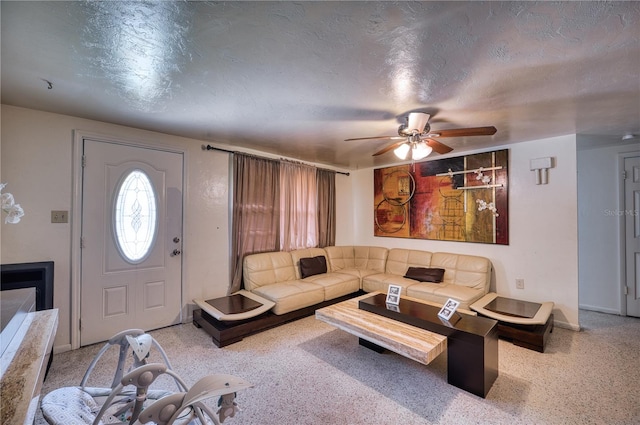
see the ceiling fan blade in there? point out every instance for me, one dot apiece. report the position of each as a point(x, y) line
point(461, 132)
point(440, 148)
point(390, 147)
point(377, 138)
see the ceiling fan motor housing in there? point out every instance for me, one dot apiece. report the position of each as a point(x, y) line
point(416, 123)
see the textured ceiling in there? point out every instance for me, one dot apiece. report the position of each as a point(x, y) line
point(297, 78)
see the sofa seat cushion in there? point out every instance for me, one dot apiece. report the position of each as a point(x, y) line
point(441, 292)
point(335, 284)
point(381, 281)
point(291, 295)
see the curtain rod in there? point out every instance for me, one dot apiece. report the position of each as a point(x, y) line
point(213, 148)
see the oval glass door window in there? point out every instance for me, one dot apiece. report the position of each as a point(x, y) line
point(135, 218)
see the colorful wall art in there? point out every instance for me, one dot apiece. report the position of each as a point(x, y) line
point(454, 199)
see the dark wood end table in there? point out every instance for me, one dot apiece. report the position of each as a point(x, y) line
point(525, 324)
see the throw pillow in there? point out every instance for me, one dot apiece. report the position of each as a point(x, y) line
point(312, 266)
point(425, 274)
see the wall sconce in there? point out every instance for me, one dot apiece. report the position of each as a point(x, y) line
point(541, 167)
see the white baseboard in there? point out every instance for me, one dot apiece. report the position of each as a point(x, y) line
point(566, 325)
point(61, 348)
point(598, 309)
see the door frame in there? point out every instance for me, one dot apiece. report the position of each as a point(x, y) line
point(76, 217)
point(622, 246)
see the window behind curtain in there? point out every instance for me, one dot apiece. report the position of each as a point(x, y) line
point(298, 200)
point(279, 205)
point(256, 206)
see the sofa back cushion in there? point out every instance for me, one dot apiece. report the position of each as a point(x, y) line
point(299, 254)
point(340, 257)
point(465, 270)
point(267, 268)
point(370, 257)
point(400, 259)
point(356, 257)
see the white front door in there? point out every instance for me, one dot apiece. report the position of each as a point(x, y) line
point(131, 269)
point(632, 233)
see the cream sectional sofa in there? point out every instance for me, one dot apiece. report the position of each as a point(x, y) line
point(278, 276)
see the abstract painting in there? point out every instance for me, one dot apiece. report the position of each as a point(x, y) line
point(454, 199)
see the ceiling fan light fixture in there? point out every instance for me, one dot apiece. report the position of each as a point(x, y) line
point(402, 150)
point(420, 150)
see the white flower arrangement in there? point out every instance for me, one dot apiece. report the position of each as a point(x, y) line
point(483, 205)
point(480, 176)
point(14, 211)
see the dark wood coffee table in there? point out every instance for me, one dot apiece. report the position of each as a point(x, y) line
point(415, 330)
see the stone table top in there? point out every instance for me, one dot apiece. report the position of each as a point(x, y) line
point(23, 365)
point(417, 344)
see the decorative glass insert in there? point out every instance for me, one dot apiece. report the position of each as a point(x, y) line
point(135, 218)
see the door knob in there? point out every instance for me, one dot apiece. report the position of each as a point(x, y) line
point(175, 252)
point(176, 239)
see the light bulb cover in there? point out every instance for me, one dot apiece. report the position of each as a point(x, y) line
point(402, 151)
point(420, 150)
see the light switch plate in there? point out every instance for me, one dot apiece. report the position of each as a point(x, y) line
point(59, 216)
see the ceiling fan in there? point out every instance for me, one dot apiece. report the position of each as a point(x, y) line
point(415, 135)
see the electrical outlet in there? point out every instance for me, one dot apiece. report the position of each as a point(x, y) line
point(59, 216)
point(520, 283)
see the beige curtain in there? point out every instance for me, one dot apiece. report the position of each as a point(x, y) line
point(298, 210)
point(326, 181)
point(255, 216)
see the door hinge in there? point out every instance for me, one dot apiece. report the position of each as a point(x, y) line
point(81, 243)
point(84, 161)
point(626, 290)
point(80, 324)
point(624, 175)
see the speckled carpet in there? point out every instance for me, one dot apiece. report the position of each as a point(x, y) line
point(308, 372)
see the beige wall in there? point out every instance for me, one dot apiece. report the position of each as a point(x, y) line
point(37, 155)
point(36, 161)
